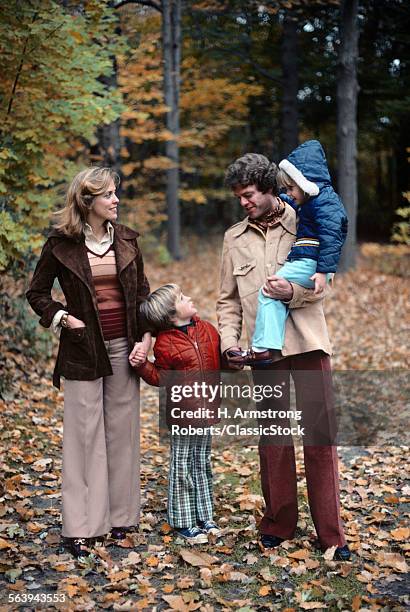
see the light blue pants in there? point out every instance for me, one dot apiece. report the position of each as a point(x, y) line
point(272, 314)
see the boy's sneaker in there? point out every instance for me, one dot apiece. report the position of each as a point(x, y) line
point(210, 527)
point(192, 534)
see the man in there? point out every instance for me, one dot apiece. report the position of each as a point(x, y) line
point(253, 250)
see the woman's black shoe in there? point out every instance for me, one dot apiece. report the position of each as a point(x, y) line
point(78, 547)
point(119, 533)
point(270, 541)
point(342, 553)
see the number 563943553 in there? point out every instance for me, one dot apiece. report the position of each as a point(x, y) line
point(36, 597)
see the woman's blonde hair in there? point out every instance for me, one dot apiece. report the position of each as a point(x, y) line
point(84, 187)
point(159, 308)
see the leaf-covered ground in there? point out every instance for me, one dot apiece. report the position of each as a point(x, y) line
point(154, 570)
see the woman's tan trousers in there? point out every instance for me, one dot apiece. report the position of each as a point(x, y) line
point(101, 462)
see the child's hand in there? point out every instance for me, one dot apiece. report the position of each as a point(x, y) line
point(138, 355)
point(320, 281)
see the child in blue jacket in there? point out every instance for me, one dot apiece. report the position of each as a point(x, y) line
point(322, 229)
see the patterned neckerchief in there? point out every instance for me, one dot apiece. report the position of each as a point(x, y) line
point(270, 219)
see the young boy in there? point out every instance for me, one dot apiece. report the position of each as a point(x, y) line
point(322, 229)
point(190, 348)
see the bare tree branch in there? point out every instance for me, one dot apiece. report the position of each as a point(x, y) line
point(20, 68)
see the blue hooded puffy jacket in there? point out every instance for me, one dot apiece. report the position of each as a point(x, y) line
point(322, 216)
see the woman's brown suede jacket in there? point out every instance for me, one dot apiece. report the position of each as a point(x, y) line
point(82, 354)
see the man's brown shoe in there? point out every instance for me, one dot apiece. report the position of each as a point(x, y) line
point(260, 359)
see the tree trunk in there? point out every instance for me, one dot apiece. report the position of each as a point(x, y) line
point(171, 34)
point(290, 85)
point(347, 90)
point(108, 146)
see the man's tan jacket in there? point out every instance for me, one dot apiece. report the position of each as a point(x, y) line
point(248, 257)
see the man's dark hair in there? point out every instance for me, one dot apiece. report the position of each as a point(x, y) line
point(252, 169)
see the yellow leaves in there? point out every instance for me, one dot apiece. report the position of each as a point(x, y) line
point(115, 577)
point(71, 590)
point(249, 501)
point(177, 602)
point(152, 561)
point(265, 590)
point(393, 560)
point(243, 470)
point(78, 37)
point(198, 559)
point(34, 527)
point(5, 544)
point(314, 564)
point(303, 553)
point(41, 464)
point(143, 584)
point(391, 499)
point(133, 558)
point(192, 195)
point(158, 162)
point(74, 585)
point(141, 604)
point(64, 567)
point(129, 168)
point(110, 597)
point(185, 582)
point(206, 575)
point(400, 534)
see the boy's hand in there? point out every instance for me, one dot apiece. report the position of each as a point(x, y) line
point(320, 281)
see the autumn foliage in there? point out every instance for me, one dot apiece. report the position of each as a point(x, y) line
point(152, 567)
point(52, 100)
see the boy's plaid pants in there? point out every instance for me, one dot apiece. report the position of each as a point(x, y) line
point(190, 481)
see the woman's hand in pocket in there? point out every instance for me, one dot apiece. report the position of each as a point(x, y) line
point(74, 323)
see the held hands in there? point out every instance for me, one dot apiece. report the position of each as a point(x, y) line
point(235, 362)
point(138, 356)
point(139, 353)
point(277, 288)
point(320, 281)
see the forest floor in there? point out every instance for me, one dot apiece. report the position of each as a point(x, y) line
point(153, 569)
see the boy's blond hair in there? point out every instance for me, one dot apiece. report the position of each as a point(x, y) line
point(159, 308)
point(284, 179)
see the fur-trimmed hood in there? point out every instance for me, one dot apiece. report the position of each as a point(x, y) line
point(307, 166)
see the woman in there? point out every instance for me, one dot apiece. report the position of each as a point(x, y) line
point(100, 270)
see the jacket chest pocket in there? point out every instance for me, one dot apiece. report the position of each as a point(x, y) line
point(246, 277)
